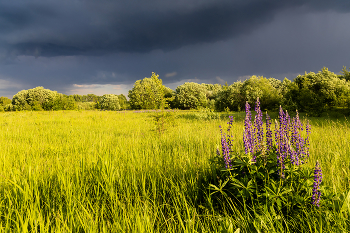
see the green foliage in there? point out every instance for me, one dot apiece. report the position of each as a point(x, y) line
point(258, 184)
point(77, 98)
point(235, 95)
point(110, 102)
point(5, 101)
point(230, 97)
point(33, 99)
point(9, 107)
point(36, 106)
point(317, 93)
point(124, 104)
point(263, 88)
point(86, 105)
point(86, 98)
point(289, 91)
point(212, 90)
point(346, 74)
point(19, 101)
point(62, 102)
point(169, 96)
point(190, 95)
point(148, 93)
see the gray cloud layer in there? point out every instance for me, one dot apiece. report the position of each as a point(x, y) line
point(66, 28)
point(57, 44)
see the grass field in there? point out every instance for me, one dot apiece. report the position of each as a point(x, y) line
point(93, 171)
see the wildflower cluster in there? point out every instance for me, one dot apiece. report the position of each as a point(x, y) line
point(226, 143)
point(290, 145)
point(253, 135)
point(316, 193)
point(271, 166)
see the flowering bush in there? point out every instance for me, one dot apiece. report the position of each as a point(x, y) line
point(269, 171)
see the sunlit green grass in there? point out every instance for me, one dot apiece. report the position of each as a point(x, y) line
point(94, 171)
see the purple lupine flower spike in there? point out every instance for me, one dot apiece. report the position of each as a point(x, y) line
point(316, 192)
point(280, 138)
point(226, 144)
point(248, 132)
point(268, 133)
point(258, 128)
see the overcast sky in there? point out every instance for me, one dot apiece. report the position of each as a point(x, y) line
point(104, 46)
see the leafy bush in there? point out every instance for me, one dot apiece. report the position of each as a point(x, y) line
point(86, 105)
point(4, 101)
point(148, 93)
point(230, 97)
point(109, 102)
point(317, 93)
point(61, 102)
point(33, 99)
point(264, 89)
point(190, 95)
point(8, 107)
point(124, 104)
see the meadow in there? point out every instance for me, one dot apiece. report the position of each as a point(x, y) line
point(107, 171)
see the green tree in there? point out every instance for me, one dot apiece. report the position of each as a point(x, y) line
point(148, 93)
point(91, 98)
point(289, 92)
point(319, 92)
point(77, 98)
point(37, 98)
point(346, 74)
point(230, 97)
point(254, 87)
point(124, 104)
point(62, 102)
point(42, 99)
point(5, 101)
point(212, 90)
point(19, 101)
point(190, 95)
point(110, 102)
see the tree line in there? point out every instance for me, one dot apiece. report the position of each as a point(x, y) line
point(311, 92)
point(40, 99)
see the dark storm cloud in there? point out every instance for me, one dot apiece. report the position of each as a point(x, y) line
point(65, 28)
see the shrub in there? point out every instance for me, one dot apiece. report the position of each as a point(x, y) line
point(61, 102)
point(33, 99)
point(230, 97)
point(109, 102)
point(148, 93)
point(8, 107)
point(86, 105)
point(317, 93)
point(4, 101)
point(190, 95)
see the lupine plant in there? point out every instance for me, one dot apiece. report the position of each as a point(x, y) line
point(270, 172)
